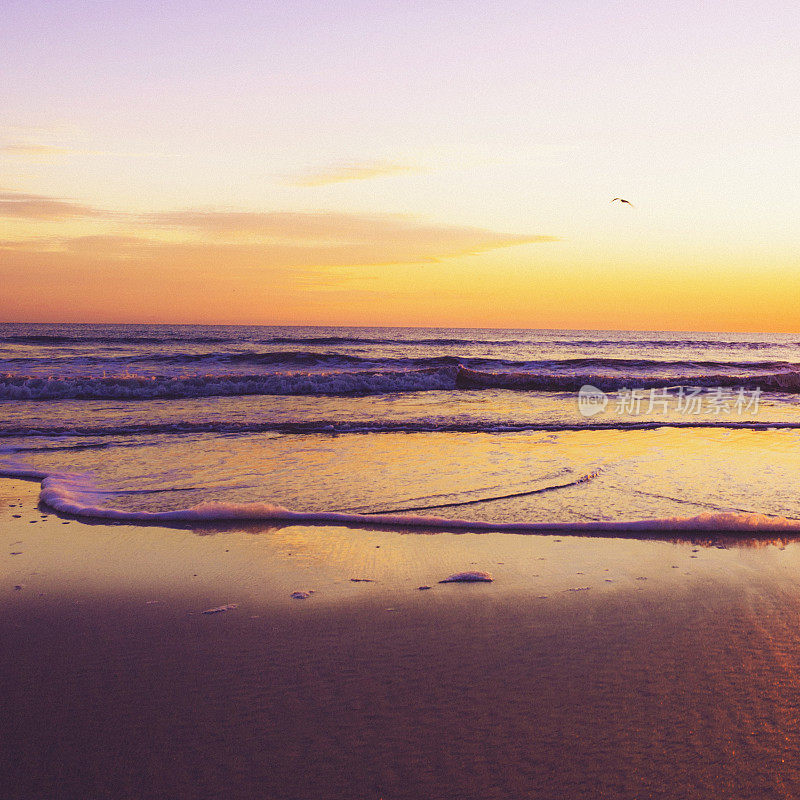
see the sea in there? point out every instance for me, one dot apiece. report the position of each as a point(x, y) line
point(426, 428)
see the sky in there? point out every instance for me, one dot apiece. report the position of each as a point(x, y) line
point(433, 163)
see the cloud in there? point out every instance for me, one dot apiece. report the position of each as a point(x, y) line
point(34, 206)
point(251, 240)
point(35, 150)
point(339, 238)
point(223, 266)
point(427, 247)
point(349, 172)
point(43, 244)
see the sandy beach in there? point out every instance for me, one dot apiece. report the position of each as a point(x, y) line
point(590, 667)
point(308, 307)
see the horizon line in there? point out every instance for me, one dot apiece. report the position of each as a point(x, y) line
point(411, 327)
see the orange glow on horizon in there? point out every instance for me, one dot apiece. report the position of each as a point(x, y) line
point(64, 261)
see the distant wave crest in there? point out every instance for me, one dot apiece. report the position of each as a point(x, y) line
point(294, 359)
point(54, 339)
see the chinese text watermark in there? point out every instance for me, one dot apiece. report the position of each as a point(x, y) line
point(716, 401)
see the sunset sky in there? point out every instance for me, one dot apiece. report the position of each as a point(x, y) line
point(401, 163)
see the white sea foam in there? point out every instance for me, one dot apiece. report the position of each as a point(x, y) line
point(76, 495)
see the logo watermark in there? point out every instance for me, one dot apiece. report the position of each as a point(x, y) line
point(591, 400)
point(716, 401)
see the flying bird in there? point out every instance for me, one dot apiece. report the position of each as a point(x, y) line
point(624, 201)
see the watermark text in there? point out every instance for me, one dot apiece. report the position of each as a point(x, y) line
point(717, 401)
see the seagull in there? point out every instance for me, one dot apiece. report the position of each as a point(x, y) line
point(624, 201)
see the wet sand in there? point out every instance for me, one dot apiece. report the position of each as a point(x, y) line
point(589, 668)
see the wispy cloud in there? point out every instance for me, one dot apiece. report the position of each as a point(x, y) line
point(349, 172)
point(328, 237)
point(33, 150)
point(279, 239)
point(262, 255)
point(33, 206)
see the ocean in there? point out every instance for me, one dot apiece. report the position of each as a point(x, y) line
point(457, 428)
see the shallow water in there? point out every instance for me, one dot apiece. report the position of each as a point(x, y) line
point(467, 425)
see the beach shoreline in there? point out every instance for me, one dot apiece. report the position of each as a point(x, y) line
point(590, 667)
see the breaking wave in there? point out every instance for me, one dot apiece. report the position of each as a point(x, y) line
point(786, 381)
point(171, 387)
point(369, 382)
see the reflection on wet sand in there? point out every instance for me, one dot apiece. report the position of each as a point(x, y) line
point(591, 667)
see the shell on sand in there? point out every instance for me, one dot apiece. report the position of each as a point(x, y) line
point(468, 577)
